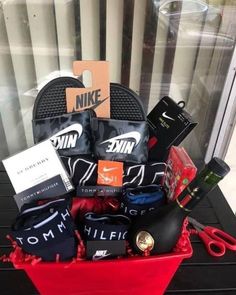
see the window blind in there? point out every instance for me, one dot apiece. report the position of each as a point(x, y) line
point(157, 48)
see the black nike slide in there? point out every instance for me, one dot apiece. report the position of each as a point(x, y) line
point(120, 140)
point(70, 133)
point(125, 104)
point(51, 101)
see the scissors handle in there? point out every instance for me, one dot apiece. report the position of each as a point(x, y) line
point(221, 236)
point(215, 248)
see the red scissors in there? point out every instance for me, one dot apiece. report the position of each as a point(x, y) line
point(216, 241)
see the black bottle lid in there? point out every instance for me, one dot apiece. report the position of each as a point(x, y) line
point(218, 166)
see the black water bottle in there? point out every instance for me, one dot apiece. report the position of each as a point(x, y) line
point(159, 230)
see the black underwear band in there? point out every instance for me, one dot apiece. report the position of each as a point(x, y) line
point(105, 227)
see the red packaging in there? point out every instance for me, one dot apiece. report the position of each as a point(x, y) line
point(180, 172)
point(134, 275)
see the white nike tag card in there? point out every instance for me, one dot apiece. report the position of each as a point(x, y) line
point(34, 166)
point(99, 250)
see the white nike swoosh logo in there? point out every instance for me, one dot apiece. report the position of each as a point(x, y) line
point(105, 178)
point(100, 257)
point(134, 134)
point(167, 117)
point(105, 169)
point(74, 127)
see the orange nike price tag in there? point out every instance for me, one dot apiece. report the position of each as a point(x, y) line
point(110, 173)
point(96, 97)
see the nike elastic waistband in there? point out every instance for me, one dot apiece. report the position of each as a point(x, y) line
point(120, 140)
point(105, 227)
point(83, 171)
point(46, 231)
point(69, 133)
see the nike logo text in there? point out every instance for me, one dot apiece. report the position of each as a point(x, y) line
point(88, 99)
point(100, 254)
point(64, 140)
point(122, 144)
point(167, 117)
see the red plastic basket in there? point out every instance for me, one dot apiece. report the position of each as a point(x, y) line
point(133, 275)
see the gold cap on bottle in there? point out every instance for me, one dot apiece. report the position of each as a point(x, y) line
point(144, 241)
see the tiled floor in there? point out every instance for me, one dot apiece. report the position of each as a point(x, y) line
point(228, 184)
